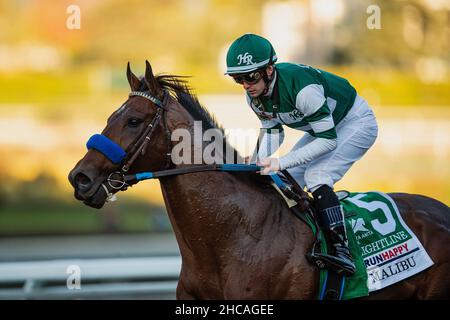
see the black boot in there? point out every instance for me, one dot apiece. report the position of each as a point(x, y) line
point(332, 218)
point(341, 261)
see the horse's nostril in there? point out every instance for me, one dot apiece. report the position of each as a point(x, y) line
point(82, 181)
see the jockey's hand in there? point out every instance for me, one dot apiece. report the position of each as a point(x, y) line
point(270, 165)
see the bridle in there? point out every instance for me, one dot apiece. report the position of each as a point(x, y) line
point(140, 145)
point(116, 179)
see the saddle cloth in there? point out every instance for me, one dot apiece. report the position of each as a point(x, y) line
point(385, 249)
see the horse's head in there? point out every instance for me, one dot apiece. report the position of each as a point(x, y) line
point(136, 138)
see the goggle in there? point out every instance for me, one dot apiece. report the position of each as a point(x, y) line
point(249, 78)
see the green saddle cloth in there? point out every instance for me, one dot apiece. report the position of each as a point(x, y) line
point(378, 239)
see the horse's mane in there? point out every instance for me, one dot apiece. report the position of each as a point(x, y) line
point(179, 88)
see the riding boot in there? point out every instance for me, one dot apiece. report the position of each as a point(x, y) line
point(341, 259)
point(331, 217)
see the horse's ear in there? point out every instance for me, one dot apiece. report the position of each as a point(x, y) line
point(134, 81)
point(150, 80)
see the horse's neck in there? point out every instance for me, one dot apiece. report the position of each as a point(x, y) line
point(212, 208)
point(230, 223)
point(215, 211)
point(204, 207)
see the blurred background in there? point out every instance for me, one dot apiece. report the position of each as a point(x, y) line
point(62, 73)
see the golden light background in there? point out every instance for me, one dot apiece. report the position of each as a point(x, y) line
point(58, 85)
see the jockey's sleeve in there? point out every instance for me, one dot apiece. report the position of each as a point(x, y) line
point(270, 138)
point(269, 141)
point(312, 103)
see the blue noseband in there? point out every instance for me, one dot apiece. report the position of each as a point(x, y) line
point(107, 147)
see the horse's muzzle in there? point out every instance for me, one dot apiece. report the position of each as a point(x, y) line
point(87, 189)
point(98, 200)
point(81, 182)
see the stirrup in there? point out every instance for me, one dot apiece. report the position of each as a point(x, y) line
point(314, 258)
point(325, 261)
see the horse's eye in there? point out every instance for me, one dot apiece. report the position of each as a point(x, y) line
point(134, 122)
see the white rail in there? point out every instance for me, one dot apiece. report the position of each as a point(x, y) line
point(97, 278)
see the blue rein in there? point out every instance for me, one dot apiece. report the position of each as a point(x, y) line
point(201, 168)
point(116, 154)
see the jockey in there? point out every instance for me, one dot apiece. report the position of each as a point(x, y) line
point(339, 124)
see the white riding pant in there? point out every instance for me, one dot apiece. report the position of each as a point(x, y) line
point(356, 133)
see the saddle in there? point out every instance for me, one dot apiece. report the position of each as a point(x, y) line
point(302, 206)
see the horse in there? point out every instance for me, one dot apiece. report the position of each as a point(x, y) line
point(236, 236)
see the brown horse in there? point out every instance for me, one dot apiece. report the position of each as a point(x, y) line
point(236, 235)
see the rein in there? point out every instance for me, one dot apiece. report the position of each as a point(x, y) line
point(119, 181)
point(200, 168)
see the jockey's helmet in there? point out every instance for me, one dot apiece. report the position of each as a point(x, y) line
point(249, 53)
